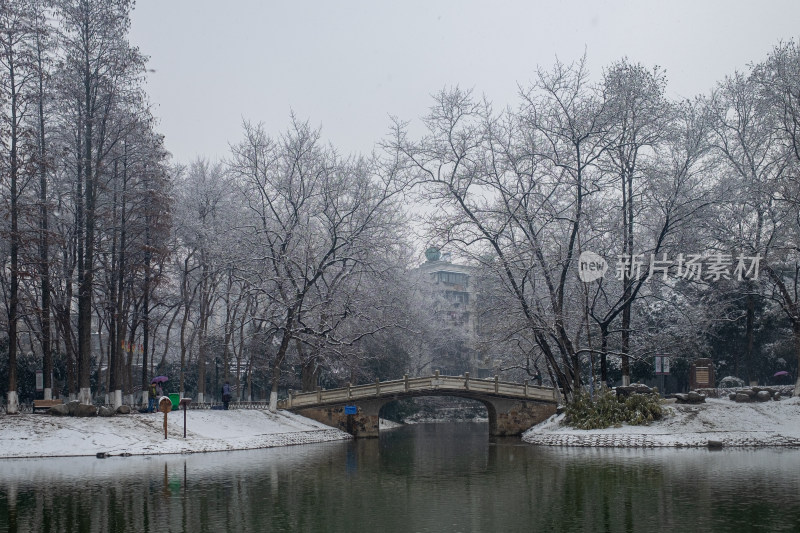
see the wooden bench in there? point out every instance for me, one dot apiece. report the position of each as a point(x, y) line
point(44, 405)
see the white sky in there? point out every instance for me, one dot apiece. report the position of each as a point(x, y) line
point(347, 65)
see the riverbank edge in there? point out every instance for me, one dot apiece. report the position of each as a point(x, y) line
point(27, 436)
point(288, 439)
point(715, 423)
point(687, 440)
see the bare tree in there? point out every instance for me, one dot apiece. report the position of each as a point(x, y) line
point(203, 222)
point(313, 218)
point(778, 83)
point(514, 188)
point(639, 114)
point(18, 28)
point(98, 70)
point(660, 157)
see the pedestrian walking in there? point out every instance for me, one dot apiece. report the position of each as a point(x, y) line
point(151, 398)
point(226, 395)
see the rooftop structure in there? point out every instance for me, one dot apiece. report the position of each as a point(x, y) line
point(453, 291)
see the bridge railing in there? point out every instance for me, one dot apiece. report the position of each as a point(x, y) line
point(436, 382)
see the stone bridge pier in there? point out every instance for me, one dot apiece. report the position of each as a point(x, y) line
point(507, 416)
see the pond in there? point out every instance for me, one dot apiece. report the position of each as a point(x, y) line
point(425, 477)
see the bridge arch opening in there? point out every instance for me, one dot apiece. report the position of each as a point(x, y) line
point(439, 408)
point(510, 408)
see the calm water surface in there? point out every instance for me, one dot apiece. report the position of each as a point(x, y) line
point(441, 477)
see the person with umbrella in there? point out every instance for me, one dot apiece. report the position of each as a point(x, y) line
point(151, 397)
point(155, 392)
point(782, 377)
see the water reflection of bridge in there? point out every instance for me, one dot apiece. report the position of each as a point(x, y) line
point(512, 407)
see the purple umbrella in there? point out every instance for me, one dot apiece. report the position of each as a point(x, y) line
point(781, 373)
point(159, 379)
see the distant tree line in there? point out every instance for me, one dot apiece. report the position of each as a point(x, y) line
point(86, 200)
point(694, 203)
point(285, 265)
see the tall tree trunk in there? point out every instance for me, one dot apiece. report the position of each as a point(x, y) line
point(184, 323)
point(201, 354)
point(146, 311)
point(626, 340)
point(62, 313)
point(86, 276)
point(750, 331)
point(230, 319)
point(44, 252)
point(134, 349)
point(118, 288)
point(796, 335)
point(202, 347)
point(309, 375)
point(13, 400)
point(79, 250)
point(604, 355)
point(627, 278)
point(162, 363)
point(239, 353)
point(279, 357)
point(187, 303)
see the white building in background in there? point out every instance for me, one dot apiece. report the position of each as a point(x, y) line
point(451, 290)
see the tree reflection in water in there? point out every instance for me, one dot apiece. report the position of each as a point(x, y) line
point(422, 478)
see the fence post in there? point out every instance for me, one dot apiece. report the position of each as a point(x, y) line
point(526, 388)
point(349, 392)
point(405, 381)
point(466, 380)
point(496, 384)
point(319, 394)
point(377, 387)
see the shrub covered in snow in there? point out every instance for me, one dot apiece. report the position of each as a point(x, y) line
point(731, 381)
point(610, 410)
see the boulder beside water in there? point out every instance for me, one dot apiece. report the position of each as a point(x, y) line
point(85, 410)
point(74, 408)
point(690, 397)
point(758, 394)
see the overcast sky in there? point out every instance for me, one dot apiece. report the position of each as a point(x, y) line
point(347, 66)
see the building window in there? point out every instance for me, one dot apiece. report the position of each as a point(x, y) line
point(452, 278)
point(457, 297)
point(456, 318)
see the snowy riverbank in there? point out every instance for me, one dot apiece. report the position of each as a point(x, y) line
point(717, 421)
point(42, 435)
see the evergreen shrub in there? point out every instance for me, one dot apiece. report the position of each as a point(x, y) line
point(609, 410)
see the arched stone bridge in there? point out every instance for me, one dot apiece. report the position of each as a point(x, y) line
point(512, 407)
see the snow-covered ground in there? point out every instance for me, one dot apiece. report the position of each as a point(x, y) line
point(388, 424)
point(42, 435)
point(718, 420)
